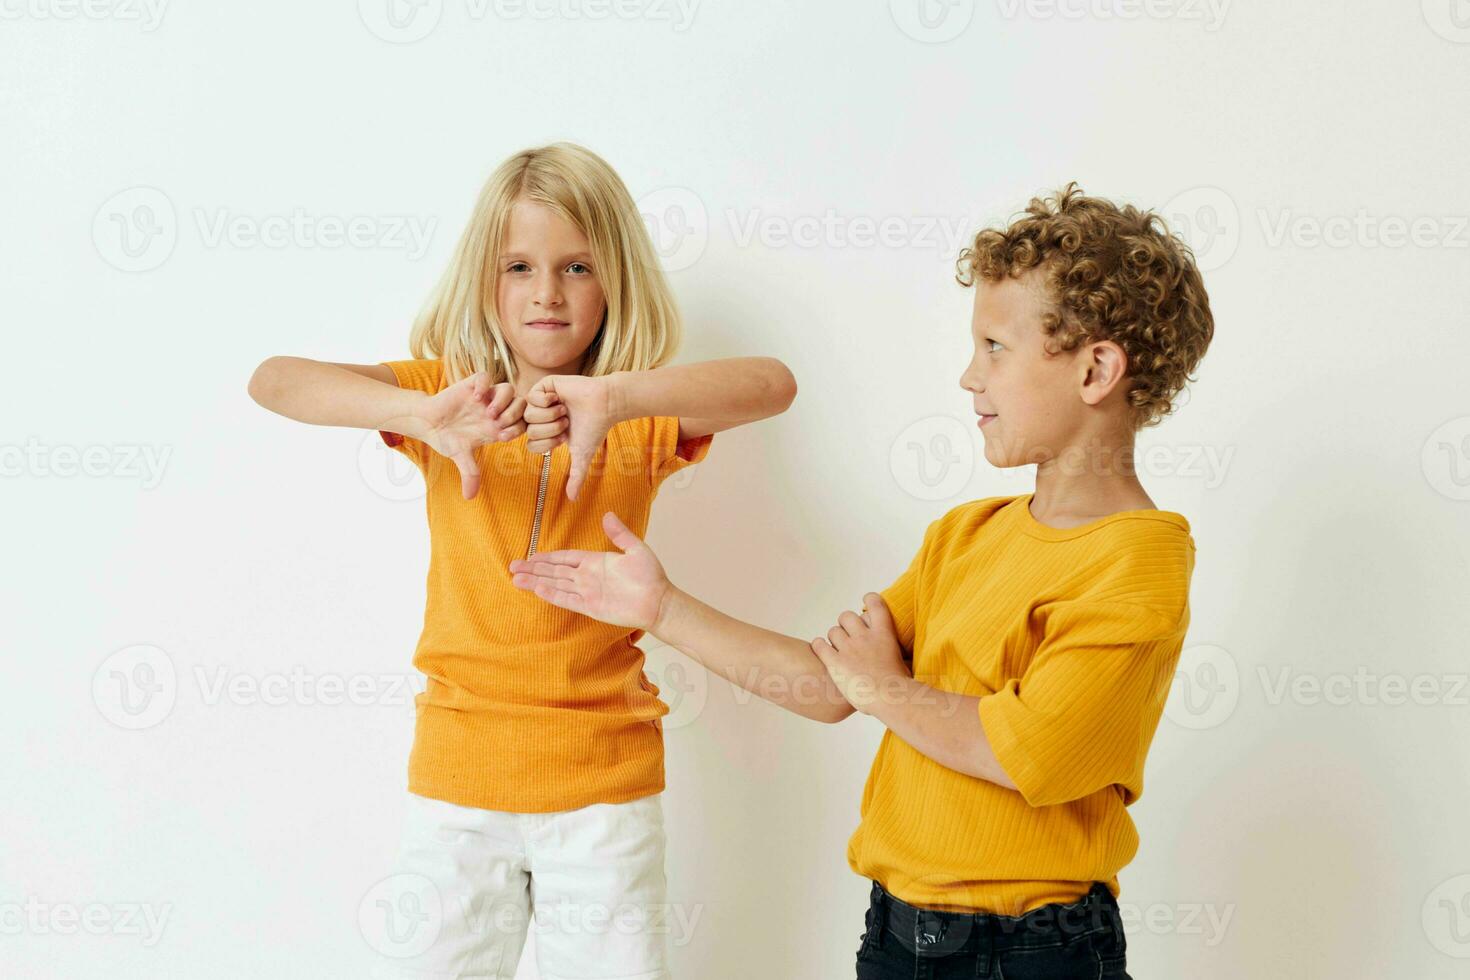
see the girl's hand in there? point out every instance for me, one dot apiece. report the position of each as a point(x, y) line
point(572, 409)
point(862, 652)
point(622, 589)
point(467, 415)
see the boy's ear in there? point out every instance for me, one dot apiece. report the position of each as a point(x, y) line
point(1103, 365)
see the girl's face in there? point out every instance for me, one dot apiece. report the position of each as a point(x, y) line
point(547, 294)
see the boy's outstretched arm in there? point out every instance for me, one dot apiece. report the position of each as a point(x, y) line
point(863, 657)
point(631, 589)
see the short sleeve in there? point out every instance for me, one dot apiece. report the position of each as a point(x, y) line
point(424, 375)
point(901, 597)
point(1084, 712)
point(668, 453)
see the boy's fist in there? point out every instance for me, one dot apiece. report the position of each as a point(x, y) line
point(862, 652)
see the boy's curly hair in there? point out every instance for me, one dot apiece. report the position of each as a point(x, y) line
point(1115, 274)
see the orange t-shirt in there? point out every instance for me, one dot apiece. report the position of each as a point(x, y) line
point(528, 707)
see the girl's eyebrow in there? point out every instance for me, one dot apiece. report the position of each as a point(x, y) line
point(521, 256)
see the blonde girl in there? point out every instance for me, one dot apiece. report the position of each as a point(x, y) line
point(538, 398)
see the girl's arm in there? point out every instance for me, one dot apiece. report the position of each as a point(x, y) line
point(710, 396)
point(453, 422)
point(781, 669)
point(630, 589)
point(360, 396)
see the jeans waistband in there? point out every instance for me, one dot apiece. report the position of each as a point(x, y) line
point(932, 932)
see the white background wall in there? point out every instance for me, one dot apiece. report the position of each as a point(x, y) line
point(1304, 813)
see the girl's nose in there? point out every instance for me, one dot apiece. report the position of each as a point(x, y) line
point(548, 291)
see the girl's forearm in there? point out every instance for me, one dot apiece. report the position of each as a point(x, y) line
point(734, 389)
point(324, 394)
point(781, 669)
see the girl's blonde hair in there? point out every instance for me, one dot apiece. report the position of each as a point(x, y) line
point(460, 323)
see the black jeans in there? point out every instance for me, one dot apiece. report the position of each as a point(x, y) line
point(1081, 940)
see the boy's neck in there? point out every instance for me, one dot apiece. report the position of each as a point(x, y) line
point(1079, 487)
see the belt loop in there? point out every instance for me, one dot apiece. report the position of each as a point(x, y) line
point(879, 904)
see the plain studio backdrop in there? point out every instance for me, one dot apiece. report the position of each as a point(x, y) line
point(211, 610)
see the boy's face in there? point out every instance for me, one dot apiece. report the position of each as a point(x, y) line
point(547, 294)
point(1027, 399)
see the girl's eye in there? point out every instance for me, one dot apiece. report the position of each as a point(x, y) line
point(992, 350)
point(579, 268)
point(517, 267)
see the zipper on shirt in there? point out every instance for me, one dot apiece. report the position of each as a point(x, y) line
point(540, 502)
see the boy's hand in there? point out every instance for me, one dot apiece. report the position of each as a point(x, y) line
point(622, 589)
point(574, 409)
point(862, 653)
point(467, 415)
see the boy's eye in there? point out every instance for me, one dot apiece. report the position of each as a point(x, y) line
point(991, 350)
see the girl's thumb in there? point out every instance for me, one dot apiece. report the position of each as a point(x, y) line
point(618, 533)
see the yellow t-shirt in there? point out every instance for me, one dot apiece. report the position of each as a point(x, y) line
point(529, 707)
point(1070, 638)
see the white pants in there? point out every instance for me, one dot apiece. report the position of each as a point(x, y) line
point(467, 882)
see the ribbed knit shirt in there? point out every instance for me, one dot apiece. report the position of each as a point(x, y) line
point(529, 707)
point(1069, 637)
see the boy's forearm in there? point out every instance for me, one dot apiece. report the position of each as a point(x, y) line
point(324, 394)
point(940, 724)
point(781, 669)
point(734, 389)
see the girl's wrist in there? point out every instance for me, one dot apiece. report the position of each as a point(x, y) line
point(623, 401)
